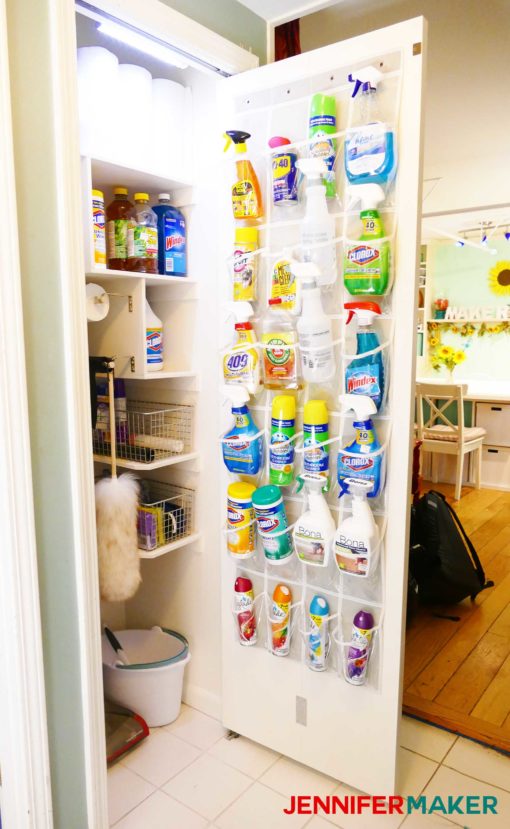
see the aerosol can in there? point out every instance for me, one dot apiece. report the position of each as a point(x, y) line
point(318, 639)
point(280, 620)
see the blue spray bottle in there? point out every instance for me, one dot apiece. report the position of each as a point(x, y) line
point(242, 450)
point(361, 464)
point(366, 374)
point(369, 147)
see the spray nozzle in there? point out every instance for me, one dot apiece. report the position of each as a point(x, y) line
point(313, 168)
point(313, 482)
point(365, 79)
point(307, 274)
point(359, 489)
point(238, 137)
point(362, 405)
point(370, 195)
point(236, 394)
point(365, 312)
point(242, 311)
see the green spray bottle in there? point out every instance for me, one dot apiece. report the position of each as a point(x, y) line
point(367, 262)
point(322, 124)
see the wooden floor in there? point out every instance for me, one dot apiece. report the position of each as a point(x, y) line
point(457, 674)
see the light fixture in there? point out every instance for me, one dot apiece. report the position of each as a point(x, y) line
point(151, 47)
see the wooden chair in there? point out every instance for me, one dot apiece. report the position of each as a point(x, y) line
point(441, 435)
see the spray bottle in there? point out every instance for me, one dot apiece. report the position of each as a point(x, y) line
point(315, 528)
point(361, 464)
point(241, 364)
point(369, 149)
point(366, 374)
point(280, 620)
point(242, 451)
point(359, 651)
point(246, 195)
point(357, 537)
point(318, 640)
point(314, 327)
point(281, 450)
point(317, 227)
point(322, 124)
point(367, 263)
point(244, 608)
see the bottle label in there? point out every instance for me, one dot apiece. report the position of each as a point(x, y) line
point(145, 242)
point(280, 613)
point(175, 245)
point(316, 456)
point(244, 200)
point(283, 285)
point(310, 545)
point(313, 357)
point(284, 178)
point(317, 640)
point(351, 555)
point(239, 366)
point(241, 539)
point(279, 360)
point(118, 238)
point(273, 520)
point(366, 150)
point(281, 451)
point(244, 274)
point(154, 345)
point(364, 379)
point(98, 223)
point(243, 606)
point(362, 467)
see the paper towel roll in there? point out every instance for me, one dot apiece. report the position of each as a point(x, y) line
point(135, 99)
point(97, 96)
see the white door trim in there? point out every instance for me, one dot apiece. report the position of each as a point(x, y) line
point(26, 794)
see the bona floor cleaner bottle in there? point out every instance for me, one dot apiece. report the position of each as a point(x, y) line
point(365, 375)
point(357, 461)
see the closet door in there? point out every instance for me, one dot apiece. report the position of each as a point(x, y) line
point(318, 718)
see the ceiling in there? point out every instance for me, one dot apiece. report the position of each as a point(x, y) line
point(469, 220)
point(278, 11)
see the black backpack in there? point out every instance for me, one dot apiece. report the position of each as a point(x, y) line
point(443, 561)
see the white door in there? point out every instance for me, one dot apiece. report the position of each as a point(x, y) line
point(347, 731)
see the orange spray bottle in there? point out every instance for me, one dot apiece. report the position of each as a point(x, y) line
point(280, 620)
point(246, 195)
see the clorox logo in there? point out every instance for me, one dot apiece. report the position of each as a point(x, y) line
point(236, 444)
point(154, 341)
point(235, 517)
point(358, 464)
point(268, 525)
point(362, 255)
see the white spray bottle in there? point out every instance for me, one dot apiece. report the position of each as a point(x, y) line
point(241, 363)
point(315, 528)
point(356, 544)
point(313, 327)
point(318, 226)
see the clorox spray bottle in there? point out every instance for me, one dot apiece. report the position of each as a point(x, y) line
point(315, 528)
point(366, 374)
point(367, 262)
point(317, 226)
point(318, 639)
point(357, 461)
point(242, 451)
point(241, 363)
point(357, 537)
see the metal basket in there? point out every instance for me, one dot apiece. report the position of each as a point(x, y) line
point(165, 514)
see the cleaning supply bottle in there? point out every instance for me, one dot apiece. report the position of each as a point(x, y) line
point(98, 227)
point(272, 523)
point(242, 451)
point(153, 339)
point(284, 285)
point(281, 450)
point(241, 364)
point(365, 375)
point(171, 238)
point(367, 262)
point(314, 328)
point(361, 464)
point(143, 237)
point(285, 190)
point(358, 653)
point(322, 124)
point(241, 539)
point(280, 620)
point(315, 434)
point(317, 227)
point(318, 638)
point(244, 609)
point(369, 148)
point(279, 349)
point(245, 266)
point(120, 215)
point(357, 537)
point(246, 195)
point(314, 530)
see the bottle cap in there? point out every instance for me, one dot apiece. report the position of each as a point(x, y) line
point(266, 495)
point(98, 194)
point(243, 585)
point(278, 141)
point(243, 326)
point(242, 490)
point(319, 606)
point(141, 197)
point(120, 191)
point(282, 594)
point(321, 105)
point(247, 235)
point(239, 138)
point(284, 407)
point(164, 197)
point(315, 412)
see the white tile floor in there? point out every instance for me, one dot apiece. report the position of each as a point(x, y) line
point(189, 776)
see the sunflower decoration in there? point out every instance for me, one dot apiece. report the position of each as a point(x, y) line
point(446, 356)
point(499, 278)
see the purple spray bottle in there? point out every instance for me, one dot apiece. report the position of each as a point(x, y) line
point(359, 649)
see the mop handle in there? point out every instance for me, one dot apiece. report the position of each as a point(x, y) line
point(111, 401)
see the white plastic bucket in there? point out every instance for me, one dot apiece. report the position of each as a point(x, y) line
point(151, 685)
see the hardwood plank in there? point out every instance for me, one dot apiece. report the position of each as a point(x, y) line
point(474, 676)
point(458, 723)
point(494, 704)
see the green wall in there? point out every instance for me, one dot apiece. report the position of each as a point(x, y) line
point(229, 19)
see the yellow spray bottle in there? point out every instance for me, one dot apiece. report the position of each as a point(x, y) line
point(246, 194)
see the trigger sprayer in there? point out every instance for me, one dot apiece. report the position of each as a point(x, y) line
point(318, 226)
point(367, 76)
point(246, 194)
point(365, 375)
point(241, 364)
point(369, 147)
point(361, 463)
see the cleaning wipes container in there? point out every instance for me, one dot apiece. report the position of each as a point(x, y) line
point(151, 683)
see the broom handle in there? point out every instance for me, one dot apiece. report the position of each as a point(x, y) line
point(113, 437)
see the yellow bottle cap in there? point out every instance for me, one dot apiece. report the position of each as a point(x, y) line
point(120, 191)
point(315, 412)
point(247, 235)
point(141, 197)
point(241, 490)
point(98, 194)
point(284, 407)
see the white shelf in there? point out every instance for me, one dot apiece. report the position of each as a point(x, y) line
point(161, 375)
point(111, 174)
point(150, 278)
point(139, 466)
point(168, 548)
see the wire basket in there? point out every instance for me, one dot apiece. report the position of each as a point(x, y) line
point(165, 514)
point(147, 432)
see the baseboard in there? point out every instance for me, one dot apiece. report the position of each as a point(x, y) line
point(203, 700)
